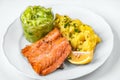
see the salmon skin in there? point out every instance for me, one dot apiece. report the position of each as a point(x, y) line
point(47, 54)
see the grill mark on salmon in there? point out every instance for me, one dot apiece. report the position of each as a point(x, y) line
point(47, 54)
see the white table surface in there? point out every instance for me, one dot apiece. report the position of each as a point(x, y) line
point(108, 9)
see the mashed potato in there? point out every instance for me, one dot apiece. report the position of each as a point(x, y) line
point(81, 36)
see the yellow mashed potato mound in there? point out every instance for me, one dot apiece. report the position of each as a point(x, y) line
point(81, 36)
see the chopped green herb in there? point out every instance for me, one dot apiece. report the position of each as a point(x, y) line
point(67, 24)
point(74, 24)
point(83, 24)
point(76, 30)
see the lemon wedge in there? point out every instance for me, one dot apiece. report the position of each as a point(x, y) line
point(77, 57)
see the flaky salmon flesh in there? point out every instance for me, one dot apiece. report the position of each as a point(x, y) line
point(47, 54)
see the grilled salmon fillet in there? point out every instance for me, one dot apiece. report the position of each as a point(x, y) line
point(47, 54)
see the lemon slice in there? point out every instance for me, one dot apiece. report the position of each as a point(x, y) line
point(77, 57)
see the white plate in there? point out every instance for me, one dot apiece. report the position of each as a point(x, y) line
point(14, 41)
